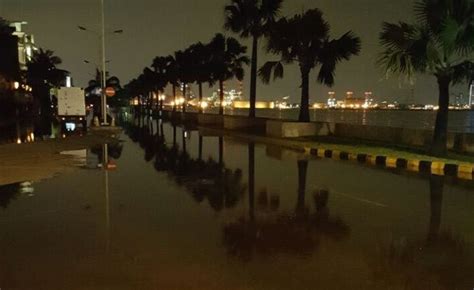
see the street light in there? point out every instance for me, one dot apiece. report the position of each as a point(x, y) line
point(102, 35)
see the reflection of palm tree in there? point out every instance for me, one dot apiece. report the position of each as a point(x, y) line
point(200, 148)
point(302, 172)
point(285, 233)
point(221, 151)
point(440, 257)
point(251, 149)
point(209, 180)
point(114, 150)
point(8, 193)
point(436, 200)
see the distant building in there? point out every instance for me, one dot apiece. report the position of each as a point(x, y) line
point(26, 44)
point(258, 105)
point(16, 50)
point(332, 102)
point(353, 102)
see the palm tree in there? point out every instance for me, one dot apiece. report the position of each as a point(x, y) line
point(5, 27)
point(150, 86)
point(251, 18)
point(43, 74)
point(93, 94)
point(184, 74)
point(439, 44)
point(200, 67)
point(227, 61)
point(172, 76)
point(161, 65)
point(305, 39)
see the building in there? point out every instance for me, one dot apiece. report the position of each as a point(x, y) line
point(258, 105)
point(365, 102)
point(332, 102)
point(26, 44)
point(16, 50)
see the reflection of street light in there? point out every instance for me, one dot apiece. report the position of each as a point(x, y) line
point(102, 36)
point(471, 93)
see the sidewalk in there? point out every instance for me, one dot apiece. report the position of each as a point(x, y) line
point(40, 160)
point(461, 166)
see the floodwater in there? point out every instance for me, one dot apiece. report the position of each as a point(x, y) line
point(180, 210)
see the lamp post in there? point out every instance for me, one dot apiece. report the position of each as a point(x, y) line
point(102, 35)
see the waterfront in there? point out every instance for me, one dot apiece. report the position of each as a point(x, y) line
point(459, 121)
point(266, 219)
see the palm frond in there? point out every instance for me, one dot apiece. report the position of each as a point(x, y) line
point(270, 68)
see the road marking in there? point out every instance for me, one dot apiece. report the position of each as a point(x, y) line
point(362, 200)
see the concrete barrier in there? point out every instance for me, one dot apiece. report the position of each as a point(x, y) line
point(289, 129)
point(243, 122)
point(460, 142)
point(210, 120)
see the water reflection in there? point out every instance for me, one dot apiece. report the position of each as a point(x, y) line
point(11, 192)
point(297, 233)
point(442, 258)
point(206, 180)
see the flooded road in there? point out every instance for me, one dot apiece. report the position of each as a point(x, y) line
point(182, 211)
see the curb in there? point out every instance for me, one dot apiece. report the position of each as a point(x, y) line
point(462, 171)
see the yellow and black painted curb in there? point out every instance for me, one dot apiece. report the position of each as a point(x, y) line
point(462, 171)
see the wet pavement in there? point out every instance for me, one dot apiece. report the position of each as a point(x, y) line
point(178, 210)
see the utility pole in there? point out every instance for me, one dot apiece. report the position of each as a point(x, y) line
point(104, 74)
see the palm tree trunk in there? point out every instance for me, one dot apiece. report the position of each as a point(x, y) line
point(174, 97)
point(221, 152)
point(253, 77)
point(174, 135)
point(200, 148)
point(304, 104)
point(251, 149)
point(221, 97)
point(436, 201)
point(161, 102)
point(200, 97)
point(440, 137)
point(302, 172)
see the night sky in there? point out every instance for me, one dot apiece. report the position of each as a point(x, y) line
point(155, 27)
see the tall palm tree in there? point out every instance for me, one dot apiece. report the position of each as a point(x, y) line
point(43, 74)
point(251, 18)
point(227, 61)
point(440, 44)
point(150, 85)
point(5, 27)
point(200, 67)
point(304, 39)
point(184, 74)
point(172, 77)
point(161, 65)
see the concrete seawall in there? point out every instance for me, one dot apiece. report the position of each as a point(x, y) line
point(460, 142)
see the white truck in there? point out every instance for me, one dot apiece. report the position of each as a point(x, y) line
point(71, 108)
